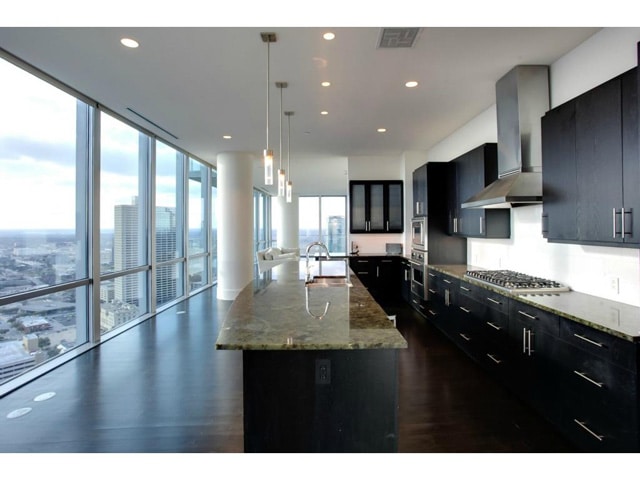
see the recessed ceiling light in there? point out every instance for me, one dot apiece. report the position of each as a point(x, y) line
point(411, 84)
point(329, 36)
point(325, 84)
point(382, 130)
point(129, 42)
point(226, 137)
point(324, 112)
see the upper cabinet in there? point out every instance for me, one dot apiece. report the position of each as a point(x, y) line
point(591, 166)
point(420, 198)
point(473, 171)
point(376, 206)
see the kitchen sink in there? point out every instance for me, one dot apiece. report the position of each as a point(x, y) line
point(328, 281)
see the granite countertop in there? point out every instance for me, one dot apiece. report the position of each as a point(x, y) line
point(618, 319)
point(276, 311)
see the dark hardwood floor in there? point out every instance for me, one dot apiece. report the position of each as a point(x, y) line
point(162, 387)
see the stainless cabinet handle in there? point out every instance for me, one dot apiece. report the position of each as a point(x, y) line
point(494, 301)
point(465, 310)
point(524, 340)
point(613, 222)
point(465, 288)
point(386, 261)
point(432, 291)
point(622, 222)
point(527, 315)
point(447, 298)
point(446, 281)
point(480, 225)
point(421, 306)
point(494, 359)
point(406, 275)
point(415, 301)
point(431, 274)
point(387, 225)
point(582, 375)
point(417, 207)
point(455, 225)
point(377, 271)
point(493, 325)
point(432, 313)
point(529, 335)
point(464, 336)
point(589, 340)
point(588, 430)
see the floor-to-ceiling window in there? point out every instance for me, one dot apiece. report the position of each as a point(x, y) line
point(91, 239)
point(323, 219)
point(44, 277)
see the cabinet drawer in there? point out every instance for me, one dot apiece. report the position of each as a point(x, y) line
point(594, 381)
point(596, 431)
point(486, 296)
point(540, 319)
point(599, 344)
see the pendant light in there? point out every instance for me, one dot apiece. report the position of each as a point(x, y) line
point(281, 172)
point(289, 186)
point(268, 38)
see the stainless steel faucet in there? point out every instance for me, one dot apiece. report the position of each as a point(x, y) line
point(309, 247)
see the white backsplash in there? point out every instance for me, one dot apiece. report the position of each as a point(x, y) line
point(375, 243)
point(609, 272)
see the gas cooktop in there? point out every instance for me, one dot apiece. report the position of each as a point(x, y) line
point(515, 282)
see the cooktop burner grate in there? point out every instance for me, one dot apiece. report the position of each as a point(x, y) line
point(516, 282)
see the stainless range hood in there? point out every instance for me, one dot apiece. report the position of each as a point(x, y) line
point(522, 98)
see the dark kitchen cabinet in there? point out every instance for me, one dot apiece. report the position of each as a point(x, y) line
point(598, 389)
point(381, 275)
point(376, 206)
point(591, 166)
point(405, 282)
point(560, 187)
point(473, 172)
point(420, 198)
point(442, 305)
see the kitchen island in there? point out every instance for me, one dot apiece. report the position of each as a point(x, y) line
point(319, 361)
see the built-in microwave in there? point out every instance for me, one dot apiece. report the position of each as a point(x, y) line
point(418, 234)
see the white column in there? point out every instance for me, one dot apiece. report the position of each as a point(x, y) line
point(234, 211)
point(285, 220)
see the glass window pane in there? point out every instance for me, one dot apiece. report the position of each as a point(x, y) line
point(122, 299)
point(168, 199)
point(214, 226)
point(39, 329)
point(333, 222)
point(308, 220)
point(169, 284)
point(42, 185)
point(197, 273)
point(197, 197)
point(123, 225)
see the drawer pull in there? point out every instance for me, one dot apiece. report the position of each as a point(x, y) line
point(588, 340)
point(421, 306)
point(527, 315)
point(464, 288)
point(432, 291)
point(582, 375)
point(494, 301)
point(432, 313)
point(464, 336)
point(493, 325)
point(494, 358)
point(415, 301)
point(588, 430)
point(445, 280)
point(465, 310)
point(431, 274)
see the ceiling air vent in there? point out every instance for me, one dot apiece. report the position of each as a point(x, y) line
point(398, 37)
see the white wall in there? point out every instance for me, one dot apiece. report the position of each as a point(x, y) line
point(586, 269)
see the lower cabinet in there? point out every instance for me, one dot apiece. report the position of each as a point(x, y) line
point(582, 380)
point(381, 275)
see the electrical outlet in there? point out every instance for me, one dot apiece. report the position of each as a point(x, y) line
point(614, 284)
point(323, 371)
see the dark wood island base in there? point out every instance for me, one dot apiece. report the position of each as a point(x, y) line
point(330, 401)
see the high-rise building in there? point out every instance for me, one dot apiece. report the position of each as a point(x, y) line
point(336, 234)
point(126, 251)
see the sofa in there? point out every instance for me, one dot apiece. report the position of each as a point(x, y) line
point(273, 256)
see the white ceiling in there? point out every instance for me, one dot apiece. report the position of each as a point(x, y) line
point(202, 83)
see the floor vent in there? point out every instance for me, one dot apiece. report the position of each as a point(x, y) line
point(398, 37)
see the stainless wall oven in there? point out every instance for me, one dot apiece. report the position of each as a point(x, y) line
point(418, 234)
point(419, 273)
